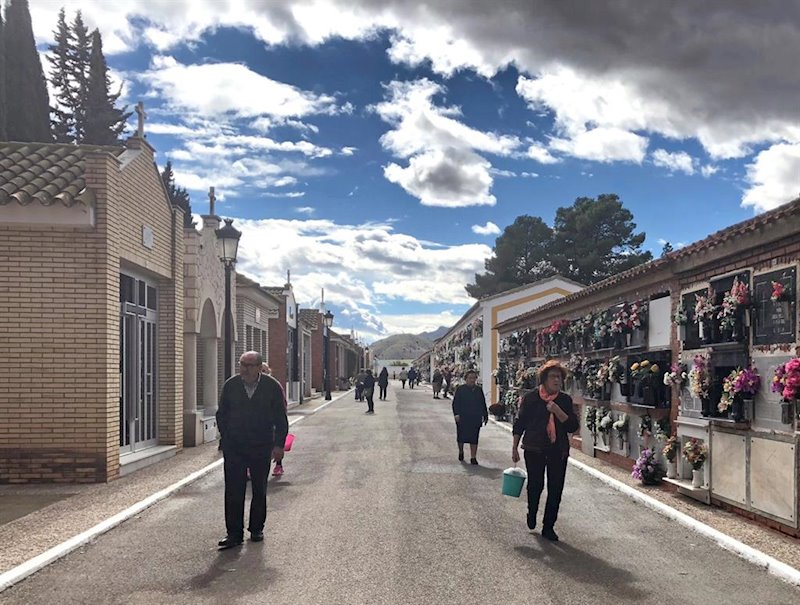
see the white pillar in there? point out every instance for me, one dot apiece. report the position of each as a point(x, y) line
point(210, 393)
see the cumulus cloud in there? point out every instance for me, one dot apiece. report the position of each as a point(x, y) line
point(444, 167)
point(418, 322)
point(774, 178)
point(488, 229)
point(679, 161)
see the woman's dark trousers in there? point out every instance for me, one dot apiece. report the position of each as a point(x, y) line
point(237, 461)
point(555, 463)
point(383, 393)
point(369, 394)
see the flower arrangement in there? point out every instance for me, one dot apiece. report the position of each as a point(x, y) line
point(646, 469)
point(680, 317)
point(670, 450)
point(621, 425)
point(637, 316)
point(615, 369)
point(645, 426)
point(695, 452)
point(676, 376)
point(787, 379)
point(699, 377)
point(744, 382)
point(778, 292)
point(600, 325)
point(577, 365)
point(739, 295)
point(590, 419)
point(621, 321)
point(662, 429)
point(644, 368)
point(605, 421)
point(704, 307)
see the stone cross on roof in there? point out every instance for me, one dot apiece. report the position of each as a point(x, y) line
point(211, 199)
point(142, 117)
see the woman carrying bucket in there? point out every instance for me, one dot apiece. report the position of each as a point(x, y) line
point(469, 410)
point(545, 417)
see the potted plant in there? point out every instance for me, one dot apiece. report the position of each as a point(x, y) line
point(695, 452)
point(738, 390)
point(646, 469)
point(670, 452)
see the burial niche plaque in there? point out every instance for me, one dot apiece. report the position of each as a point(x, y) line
point(775, 321)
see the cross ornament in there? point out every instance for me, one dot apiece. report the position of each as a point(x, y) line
point(142, 117)
point(211, 199)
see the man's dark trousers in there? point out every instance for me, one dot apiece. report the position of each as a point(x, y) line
point(556, 464)
point(370, 393)
point(237, 461)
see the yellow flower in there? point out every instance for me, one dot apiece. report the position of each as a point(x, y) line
point(654, 368)
point(645, 363)
point(634, 367)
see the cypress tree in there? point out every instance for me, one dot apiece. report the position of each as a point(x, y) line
point(104, 122)
point(79, 43)
point(178, 196)
point(27, 103)
point(63, 119)
point(2, 78)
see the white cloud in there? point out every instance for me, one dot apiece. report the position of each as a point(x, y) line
point(529, 175)
point(604, 145)
point(774, 178)
point(419, 322)
point(709, 170)
point(488, 229)
point(305, 210)
point(289, 194)
point(348, 150)
point(674, 161)
point(539, 153)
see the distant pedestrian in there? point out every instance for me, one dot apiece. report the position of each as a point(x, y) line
point(403, 377)
point(469, 411)
point(448, 380)
point(278, 470)
point(436, 382)
point(383, 383)
point(412, 377)
point(369, 391)
point(360, 385)
point(544, 421)
point(252, 421)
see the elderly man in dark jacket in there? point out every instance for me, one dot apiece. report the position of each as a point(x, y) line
point(252, 423)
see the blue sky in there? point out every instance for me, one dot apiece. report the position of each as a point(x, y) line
point(377, 148)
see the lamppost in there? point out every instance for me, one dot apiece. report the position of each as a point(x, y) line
point(228, 237)
point(326, 337)
point(366, 357)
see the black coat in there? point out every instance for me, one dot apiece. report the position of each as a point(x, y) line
point(469, 404)
point(252, 422)
point(531, 423)
point(383, 378)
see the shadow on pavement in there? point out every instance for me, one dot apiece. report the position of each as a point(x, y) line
point(583, 567)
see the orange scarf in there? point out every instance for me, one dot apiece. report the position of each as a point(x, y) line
point(551, 422)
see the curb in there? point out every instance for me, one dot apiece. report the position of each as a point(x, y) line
point(785, 572)
point(31, 566)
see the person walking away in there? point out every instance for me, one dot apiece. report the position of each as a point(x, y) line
point(469, 411)
point(448, 380)
point(383, 383)
point(252, 421)
point(436, 382)
point(403, 377)
point(544, 421)
point(369, 391)
point(360, 385)
point(278, 470)
point(412, 377)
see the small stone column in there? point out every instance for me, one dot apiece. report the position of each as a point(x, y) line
point(210, 390)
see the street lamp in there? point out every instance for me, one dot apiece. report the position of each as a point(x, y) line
point(326, 337)
point(228, 237)
point(366, 357)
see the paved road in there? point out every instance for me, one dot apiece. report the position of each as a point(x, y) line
point(376, 509)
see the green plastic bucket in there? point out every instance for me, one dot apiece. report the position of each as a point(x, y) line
point(513, 480)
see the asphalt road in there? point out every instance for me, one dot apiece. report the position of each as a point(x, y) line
point(377, 509)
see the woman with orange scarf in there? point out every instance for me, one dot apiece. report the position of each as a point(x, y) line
point(545, 417)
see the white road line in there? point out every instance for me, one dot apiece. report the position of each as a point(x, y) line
point(777, 568)
point(31, 566)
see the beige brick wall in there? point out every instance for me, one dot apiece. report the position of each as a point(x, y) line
point(59, 316)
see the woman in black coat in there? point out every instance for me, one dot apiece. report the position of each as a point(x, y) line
point(469, 410)
point(383, 383)
point(544, 421)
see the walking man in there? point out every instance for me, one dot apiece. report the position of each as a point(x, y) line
point(369, 391)
point(412, 377)
point(252, 423)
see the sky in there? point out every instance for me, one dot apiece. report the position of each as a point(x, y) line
point(377, 148)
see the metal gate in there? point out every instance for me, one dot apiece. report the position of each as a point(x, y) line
point(138, 410)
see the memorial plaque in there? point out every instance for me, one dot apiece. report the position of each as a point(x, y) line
point(775, 321)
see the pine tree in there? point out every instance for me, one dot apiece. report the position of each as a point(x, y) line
point(104, 122)
point(2, 78)
point(178, 196)
point(63, 109)
point(27, 103)
point(80, 52)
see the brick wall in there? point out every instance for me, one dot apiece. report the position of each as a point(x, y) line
point(317, 357)
point(278, 345)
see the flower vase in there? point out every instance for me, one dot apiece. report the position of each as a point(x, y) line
point(706, 334)
point(682, 332)
point(627, 339)
point(698, 477)
point(737, 409)
point(749, 410)
point(787, 412)
point(672, 469)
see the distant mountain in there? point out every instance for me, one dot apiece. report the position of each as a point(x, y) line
point(400, 347)
point(436, 334)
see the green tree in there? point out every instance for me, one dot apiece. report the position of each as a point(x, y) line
point(2, 78)
point(62, 111)
point(594, 239)
point(178, 196)
point(80, 52)
point(104, 121)
point(28, 106)
point(666, 249)
point(521, 256)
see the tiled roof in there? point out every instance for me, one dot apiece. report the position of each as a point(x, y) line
point(274, 290)
point(47, 173)
point(310, 316)
point(785, 212)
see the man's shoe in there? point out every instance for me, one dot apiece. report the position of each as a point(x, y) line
point(256, 536)
point(548, 533)
point(531, 522)
point(473, 461)
point(229, 542)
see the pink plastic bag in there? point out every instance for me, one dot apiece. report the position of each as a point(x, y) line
point(289, 441)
